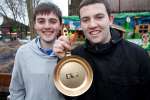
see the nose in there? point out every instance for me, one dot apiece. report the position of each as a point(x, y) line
point(92, 23)
point(47, 25)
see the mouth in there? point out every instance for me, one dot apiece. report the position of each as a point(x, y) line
point(94, 32)
point(48, 32)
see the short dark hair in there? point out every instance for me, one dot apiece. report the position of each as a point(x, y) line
point(88, 2)
point(46, 8)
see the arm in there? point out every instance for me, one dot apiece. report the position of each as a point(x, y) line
point(17, 89)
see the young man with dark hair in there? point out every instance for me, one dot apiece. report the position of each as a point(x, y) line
point(121, 68)
point(32, 76)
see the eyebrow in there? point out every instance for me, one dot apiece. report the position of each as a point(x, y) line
point(98, 14)
point(53, 19)
point(48, 19)
point(40, 18)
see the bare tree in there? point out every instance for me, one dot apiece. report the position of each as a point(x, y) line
point(19, 10)
point(13, 6)
point(3, 7)
point(22, 11)
point(35, 3)
point(31, 4)
point(3, 10)
point(30, 17)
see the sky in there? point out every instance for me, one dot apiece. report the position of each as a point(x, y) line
point(62, 4)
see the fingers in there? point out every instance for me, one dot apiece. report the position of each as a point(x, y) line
point(64, 43)
point(61, 45)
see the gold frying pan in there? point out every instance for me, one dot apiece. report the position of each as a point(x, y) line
point(73, 76)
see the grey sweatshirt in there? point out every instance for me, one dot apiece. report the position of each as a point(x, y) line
point(32, 76)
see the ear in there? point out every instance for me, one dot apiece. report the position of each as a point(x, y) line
point(111, 18)
point(60, 30)
point(34, 26)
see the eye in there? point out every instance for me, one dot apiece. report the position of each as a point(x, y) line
point(53, 21)
point(41, 21)
point(84, 20)
point(99, 17)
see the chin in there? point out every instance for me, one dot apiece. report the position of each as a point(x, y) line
point(48, 40)
point(95, 41)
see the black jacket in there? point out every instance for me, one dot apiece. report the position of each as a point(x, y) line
point(121, 70)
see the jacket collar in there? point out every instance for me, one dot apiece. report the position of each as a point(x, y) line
point(104, 48)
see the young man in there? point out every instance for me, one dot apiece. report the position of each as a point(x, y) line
point(32, 77)
point(121, 69)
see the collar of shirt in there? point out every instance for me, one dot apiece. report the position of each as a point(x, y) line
point(47, 51)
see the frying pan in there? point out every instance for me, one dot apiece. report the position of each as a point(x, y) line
point(73, 75)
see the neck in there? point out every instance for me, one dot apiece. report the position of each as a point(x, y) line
point(45, 44)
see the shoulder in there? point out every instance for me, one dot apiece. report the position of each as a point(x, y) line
point(134, 49)
point(23, 49)
point(133, 46)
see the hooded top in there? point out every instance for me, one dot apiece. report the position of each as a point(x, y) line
point(32, 77)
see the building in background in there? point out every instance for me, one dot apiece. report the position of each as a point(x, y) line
point(117, 6)
point(11, 29)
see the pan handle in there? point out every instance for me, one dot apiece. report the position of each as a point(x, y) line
point(68, 53)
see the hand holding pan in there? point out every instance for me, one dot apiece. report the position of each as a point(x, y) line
point(73, 75)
